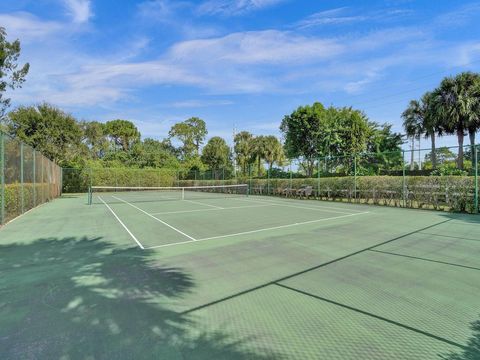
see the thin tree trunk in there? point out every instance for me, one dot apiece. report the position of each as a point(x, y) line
point(434, 153)
point(471, 135)
point(460, 135)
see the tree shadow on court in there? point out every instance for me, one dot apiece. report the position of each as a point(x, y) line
point(84, 298)
point(472, 350)
point(467, 218)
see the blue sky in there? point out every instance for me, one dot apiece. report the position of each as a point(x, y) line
point(242, 62)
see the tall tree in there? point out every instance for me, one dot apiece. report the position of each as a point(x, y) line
point(420, 119)
point(243, 149)
point(11, 76)
point(258, 152)
point(48, 129)
point(154, 154)
point(95, 138)
point(412, 127)
point(199, 132)
point(456, 105)
point(303, 133)
point(216, 154)
point(123, 133)
point(191, 133)
point(351, 128)
point(272, 151)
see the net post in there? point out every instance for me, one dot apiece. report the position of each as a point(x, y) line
point(476, 147)
point(2, 178)
point(183, 193)
point(404, 183)
point(22, 187)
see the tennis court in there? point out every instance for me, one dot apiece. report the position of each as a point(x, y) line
point(213, 272)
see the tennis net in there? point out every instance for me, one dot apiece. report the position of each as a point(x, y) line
point(115, 194)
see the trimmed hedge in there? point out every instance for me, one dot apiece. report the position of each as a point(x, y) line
point(447, 193)
point(78, 180)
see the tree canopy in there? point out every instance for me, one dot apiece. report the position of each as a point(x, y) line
point(57, 134)
point(216, 154)
point(11, 75)
point(191, 133)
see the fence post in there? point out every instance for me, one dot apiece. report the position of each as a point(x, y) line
point(34, 178)
point(291, 176)
point(404, 183)
point(90, 195)
point(318, 178)
point(250, 179)
point(268, 181)
point(355, 176)
point(2, 179)
point(477, 147)
point(22, 188)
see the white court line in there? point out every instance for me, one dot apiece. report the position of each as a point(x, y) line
point(153, 217)
point(201, 210)
point(121, 223)
point(199, 203)
point(318, 208)
point(259, 230)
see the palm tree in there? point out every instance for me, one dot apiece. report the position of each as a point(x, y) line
point(272, 151)
point(420, 120)
point(412, 126)
point(258, 152)
point(457, 102)
point(243, 149)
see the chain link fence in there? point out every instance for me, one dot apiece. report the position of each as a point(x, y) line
point(419, 179)
point(27, 178)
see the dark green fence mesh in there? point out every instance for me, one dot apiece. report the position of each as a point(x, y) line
point(27, 178)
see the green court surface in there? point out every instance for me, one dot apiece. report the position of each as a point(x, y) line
point(237, 277)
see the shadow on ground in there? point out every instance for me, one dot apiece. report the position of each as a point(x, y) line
point(83, 298)
point(472, 350)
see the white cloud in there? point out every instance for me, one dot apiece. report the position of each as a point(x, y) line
point(329, 17)
point(459, 17)
point(257, 47)
point(159, 10)
point(79, 10)
point(355, 87)
point(234, 7)
point(253, 62)
point(200, 103)
point(27, 27)
point(467, 54)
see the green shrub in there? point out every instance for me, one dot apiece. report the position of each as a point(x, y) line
point(33, 195)
point(452, 193)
